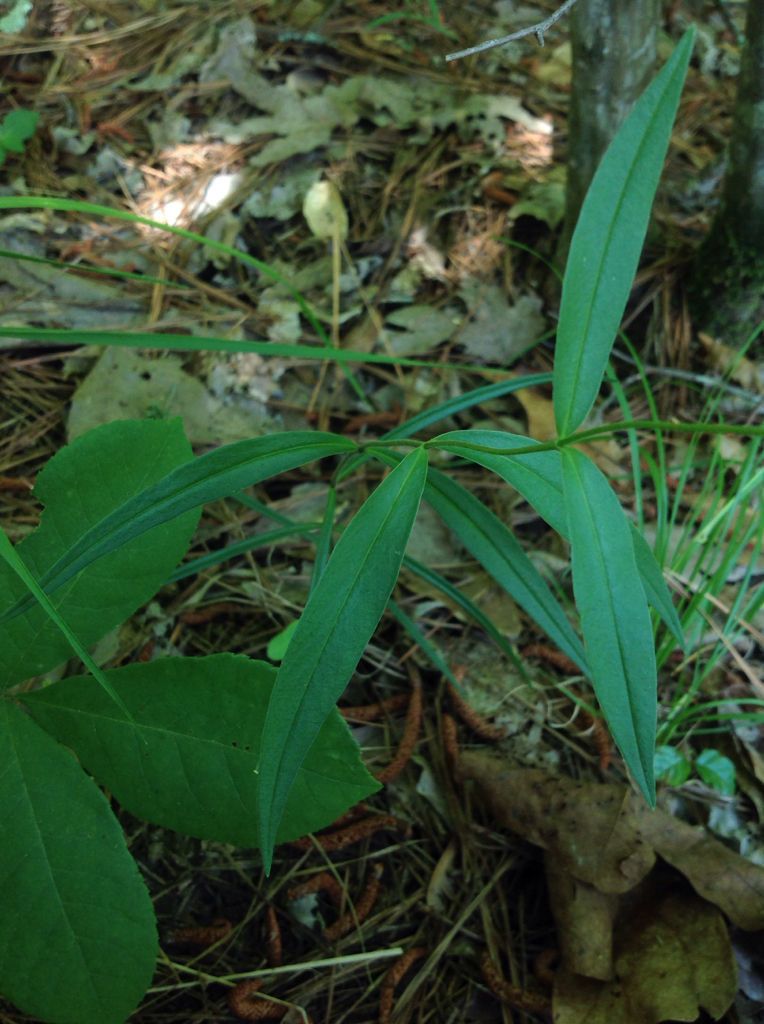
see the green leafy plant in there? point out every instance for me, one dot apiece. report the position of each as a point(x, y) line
point(228, 748)
point(16, 128)
point(711, 766)
point(432, 18)
point(13, 16)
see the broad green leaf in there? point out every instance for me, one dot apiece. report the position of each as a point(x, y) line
point(615, 620)
point(716, 771)
point(214, 475)
point(78, 941)
point(341, 614)
point(11, 558)
point(493, 545)
point(189, 759)
point(606, 245)
point(16, 127)
point(537, 476)
point(671, 766)
point(83, 483)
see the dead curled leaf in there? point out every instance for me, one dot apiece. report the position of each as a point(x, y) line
point(728, 360)
point(637, 944)
point(721, 876)
point(605, 835)
point(584, 917)
point(672, 956)
point(589, 829)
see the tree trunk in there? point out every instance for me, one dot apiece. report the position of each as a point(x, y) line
point(614, 53)
point(727, 287)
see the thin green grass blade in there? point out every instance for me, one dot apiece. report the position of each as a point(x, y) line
point(451, 407)
point(639, 454)
point(9, 555)
point(493, 545)
point(79, 206)
point(263, 509)
point(189, 342)
point(656, 591)
point(324, 542)
point(755, 485)
point(469, 608)
point(84, 268)
point(606, 244)
point(339, 618)
point(199, 343)
point(460, 403)
point(241, 547)
point(634, 447)
point(214, 475)
point(429, 649)
point(614, 615)
point(95, 209)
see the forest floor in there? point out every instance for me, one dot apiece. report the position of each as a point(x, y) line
point(218, 116)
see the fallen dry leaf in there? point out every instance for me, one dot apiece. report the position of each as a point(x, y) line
point(635, 950)
point(584, 917)
point(540, 414)
point(728, 360)
point(672, 957)
point(605, 835)
point(720, 875)
point(588, 828)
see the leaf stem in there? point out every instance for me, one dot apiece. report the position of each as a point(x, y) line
point(582, 436)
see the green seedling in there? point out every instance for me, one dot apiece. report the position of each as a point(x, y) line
point(432, 18)
point(711, 767)
point(16, 128)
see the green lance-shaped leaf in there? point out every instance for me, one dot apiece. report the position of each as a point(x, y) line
point(493, 545)
point(606, 244)
point(78, 940)
point(341, 614)
point(538, 477)
point(79, 486)
point(188, 760)
point(615, 619)
point(213, 475)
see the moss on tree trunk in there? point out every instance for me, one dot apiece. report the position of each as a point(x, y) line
point(727, 285)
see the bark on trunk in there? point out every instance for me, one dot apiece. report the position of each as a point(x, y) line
point(727, 287)
point(614, 53)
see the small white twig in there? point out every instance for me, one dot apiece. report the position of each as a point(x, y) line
point(532, 30)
